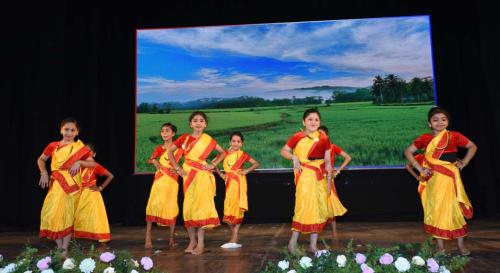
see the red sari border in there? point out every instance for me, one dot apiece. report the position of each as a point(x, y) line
point(54, 235)
point(161, 221)
point(101, 237)
point(448, 234)
point(232, 220)
point(305, 228)
point(202, 223)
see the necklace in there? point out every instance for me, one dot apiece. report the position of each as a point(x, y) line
point(55, 157)
point(447, 142)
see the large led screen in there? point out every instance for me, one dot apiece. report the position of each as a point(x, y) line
point(371, 79)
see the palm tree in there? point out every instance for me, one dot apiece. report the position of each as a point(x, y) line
point(378, 85)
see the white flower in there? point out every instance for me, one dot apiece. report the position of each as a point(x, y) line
point(28, 271)
point(134, 271)
point(9, 268)
point(443, 269)
point(68, 264)
point(417, 260)
point(292, 271)
point(136, 263)
point(319, 253)
point(402, 264)
point(283, 264)
point(87, 265)
point(48, 270)
point(305, 262)
point(341, 260)
point(109, 270)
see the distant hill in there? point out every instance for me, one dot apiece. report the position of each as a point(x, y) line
point(330, 88)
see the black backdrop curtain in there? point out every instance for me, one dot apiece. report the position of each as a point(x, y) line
point(64, 59)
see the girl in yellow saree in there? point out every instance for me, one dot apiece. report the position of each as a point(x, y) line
point(310, 152)
point(199, 211)
point(91, 219)
point(444, 200)
point(335, 207)
point(68, 155)
point(236, 201)
point(162, 205)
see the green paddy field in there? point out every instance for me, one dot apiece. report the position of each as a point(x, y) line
point(373, 135)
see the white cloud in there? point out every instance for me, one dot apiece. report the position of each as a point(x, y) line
point(213, 84)
point(388, 45)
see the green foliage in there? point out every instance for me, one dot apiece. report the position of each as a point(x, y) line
point(392, 88)
point(328, 262)
point(362, 94)
point(373, 135)
point(29, 257)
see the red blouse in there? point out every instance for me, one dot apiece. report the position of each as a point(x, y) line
point(456, 140)
point(319, 150)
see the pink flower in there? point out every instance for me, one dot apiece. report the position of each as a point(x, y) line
point(44, 263)
point(146, 263)
point(107, 257)
point(366, 269)
point(432, 265)
point(360, 258)
point(386, 259)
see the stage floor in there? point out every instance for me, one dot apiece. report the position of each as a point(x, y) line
point(262, 243)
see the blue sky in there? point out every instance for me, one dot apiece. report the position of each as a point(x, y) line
point(256, 60)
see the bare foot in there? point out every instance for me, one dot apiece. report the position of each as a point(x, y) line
point(148, 244)
point(440, 250)
point(190, 247)
point(292, 248)
point(171, 242)
point(198, 250)
point(464, 251)
point(64, 253)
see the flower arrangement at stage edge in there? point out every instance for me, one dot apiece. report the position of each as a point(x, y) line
point(417, 260)
point(109, 270)
point(9, 268)
point(87, 265)
point(283, 264)
point(386, 259)
point(366, 269)
point(432, 265)
point(360, 258)
point(341, 260)
point(146, 263)
point(404, 258)
point(68, 264)
point(402, 264)
point(44, 263)
point(305, 262)
point(107, 257)
point(79, 261)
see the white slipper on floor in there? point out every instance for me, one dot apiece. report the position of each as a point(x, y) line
point(231, 245)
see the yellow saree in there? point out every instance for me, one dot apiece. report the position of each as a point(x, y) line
point(444, 199)
point(162, 205)
point(311, 209)
point(199, 185)
point(236, 201)
point(57, 215)
point(91, 219)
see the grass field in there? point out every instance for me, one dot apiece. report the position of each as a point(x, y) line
point(372, 135)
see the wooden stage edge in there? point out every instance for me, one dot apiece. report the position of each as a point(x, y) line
point(263, 243)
